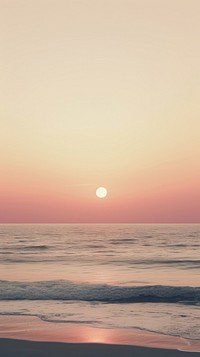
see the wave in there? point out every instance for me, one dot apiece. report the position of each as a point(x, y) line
point(177, 262)
point(36, 247)
point(25, 247)
point(68, 291)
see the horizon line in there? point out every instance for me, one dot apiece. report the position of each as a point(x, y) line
point(108, 223)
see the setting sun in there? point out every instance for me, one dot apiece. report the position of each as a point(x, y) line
point(101, 192)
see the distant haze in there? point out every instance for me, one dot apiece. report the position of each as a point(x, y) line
point(100, 93)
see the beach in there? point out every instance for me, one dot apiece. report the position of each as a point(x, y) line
point(94, 290)
point(19, 348)
point(25, 336)
point(99, 178)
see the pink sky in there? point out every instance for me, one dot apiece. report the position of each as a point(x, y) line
point(96, 94)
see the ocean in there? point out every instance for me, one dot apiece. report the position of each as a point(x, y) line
point(125, 276)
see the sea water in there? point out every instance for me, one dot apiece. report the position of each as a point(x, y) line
point(143, 277)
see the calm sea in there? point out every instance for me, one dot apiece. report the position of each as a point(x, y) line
point(111, 276)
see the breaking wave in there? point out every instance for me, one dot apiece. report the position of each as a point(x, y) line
point(65, 290)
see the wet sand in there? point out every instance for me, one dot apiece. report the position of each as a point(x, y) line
point(29, 336)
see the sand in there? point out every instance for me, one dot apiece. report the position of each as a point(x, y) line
point(28, 336)
point(20, 348)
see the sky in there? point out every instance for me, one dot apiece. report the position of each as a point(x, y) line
point(99, 93)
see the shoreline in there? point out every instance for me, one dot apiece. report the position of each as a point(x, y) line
point(33, 329)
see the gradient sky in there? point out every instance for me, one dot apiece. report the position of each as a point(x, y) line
point(100, 93)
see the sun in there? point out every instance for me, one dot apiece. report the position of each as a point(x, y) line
point(101, 192)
